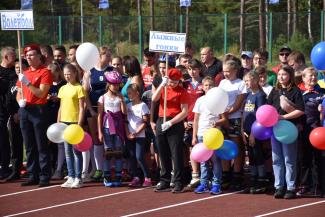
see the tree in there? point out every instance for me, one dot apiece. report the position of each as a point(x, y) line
point(242, 26)
point(261, 24)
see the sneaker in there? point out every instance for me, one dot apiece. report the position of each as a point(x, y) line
point(68, 183)
point(135, 182)
point(194, 183)
point(77, 183)
point(290, 194)
point(57, 175)
point(97, 176)
point(29, 182)
point(117, 183)
point(107, 182)
point(279, 193)
point(13, 176)
point(147, 182)
point(85, 177)
point(215, 189)
point(178, 188)
point(162, 187)
point(126, 177)
point(202, 188)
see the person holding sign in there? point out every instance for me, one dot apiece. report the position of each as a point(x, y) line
point(170, 132)
point(34, 85)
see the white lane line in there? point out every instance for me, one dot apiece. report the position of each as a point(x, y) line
point(31, 190)
point(179, 204)
point(74, 202)
point(291, 208)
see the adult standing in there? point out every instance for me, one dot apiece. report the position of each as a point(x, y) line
point(72, 53)
point(47, 53)
point(7, 70)
point(297, 61)
point(212, 65)
point(283, 58)
point(33, 86)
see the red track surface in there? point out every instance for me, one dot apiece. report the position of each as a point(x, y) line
point(95, 200)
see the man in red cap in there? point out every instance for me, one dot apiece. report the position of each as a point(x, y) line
point(34, 85)
point(170, 133)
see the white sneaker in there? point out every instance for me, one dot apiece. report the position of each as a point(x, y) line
point(68, 183)
point(77, 183)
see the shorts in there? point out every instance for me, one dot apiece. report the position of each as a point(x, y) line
point(234, 129)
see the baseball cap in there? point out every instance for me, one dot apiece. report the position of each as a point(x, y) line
point(32, 47)
point(249, 54)
point(175, 74)
point(283, 48)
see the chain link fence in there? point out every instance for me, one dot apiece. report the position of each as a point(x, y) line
point(220, 31)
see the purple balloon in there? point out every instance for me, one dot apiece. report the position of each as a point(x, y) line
point(260, 132)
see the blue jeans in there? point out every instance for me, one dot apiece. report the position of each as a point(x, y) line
point(216, 169)
point(74, 161)
point(284, 158)
point(115, 143)
point(136, 148)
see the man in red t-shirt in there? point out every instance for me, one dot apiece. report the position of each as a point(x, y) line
point(170, 133)
point(33, 86)
point(283, 58)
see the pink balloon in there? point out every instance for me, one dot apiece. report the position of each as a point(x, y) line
point(267, 115)
point(200, 153)
point(85, 144)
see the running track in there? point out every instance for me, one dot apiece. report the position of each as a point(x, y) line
point(95, 200)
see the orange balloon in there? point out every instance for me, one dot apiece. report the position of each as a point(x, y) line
point(317, 138)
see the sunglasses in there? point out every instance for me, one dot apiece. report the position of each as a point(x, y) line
point(284, 54)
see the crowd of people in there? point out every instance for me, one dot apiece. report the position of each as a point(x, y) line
point(145, 118)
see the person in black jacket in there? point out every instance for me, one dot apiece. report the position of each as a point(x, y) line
point(7, 69)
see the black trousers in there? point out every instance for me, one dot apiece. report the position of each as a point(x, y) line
point(170, 149)
point(33, 124)
point(312, 162)
point(4, 146)
point(16, 144)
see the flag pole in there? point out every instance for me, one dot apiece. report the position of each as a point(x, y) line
point(81, 22)
point(165, 89)
point(20, 66)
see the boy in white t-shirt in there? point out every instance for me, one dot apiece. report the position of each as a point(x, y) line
point(204, 120)
point(138, 117)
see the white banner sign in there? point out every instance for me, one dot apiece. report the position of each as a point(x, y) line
point(17, 20)
point(167, 42)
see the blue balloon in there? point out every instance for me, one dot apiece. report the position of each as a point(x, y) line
point(260, 132)
point(228, 151)
point(317, 56)
point(285, 132)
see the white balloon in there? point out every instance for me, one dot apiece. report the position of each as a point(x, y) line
point(55, 132)
point(216, 100)
point(87, 56)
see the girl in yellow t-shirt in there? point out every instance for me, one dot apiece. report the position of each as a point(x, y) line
point(71, 111)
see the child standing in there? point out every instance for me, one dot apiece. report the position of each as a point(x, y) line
point(255, 98)
point(194, 90)
point(138, 117)
point(235, 88)
point(71, 111)
point(204, 120)
point(53, 102)
point(262, 73)
point(111, 111)
point(284, 156)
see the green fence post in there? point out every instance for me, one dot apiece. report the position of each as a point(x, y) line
point(225, 26)
point(270, 36)
point(60, 30)
point(100, 30)
point(22, 38)
point(322, 25)
point(140, 38)
point(181, 23)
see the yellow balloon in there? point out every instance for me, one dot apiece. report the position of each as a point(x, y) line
point(73, 134)
point(213, 138)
